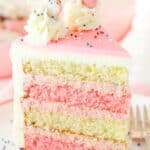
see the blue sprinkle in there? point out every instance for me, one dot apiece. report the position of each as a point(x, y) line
point(106, 35)
point(139, 144)
point(96, 29)
point(4, 147)
point(42, 14)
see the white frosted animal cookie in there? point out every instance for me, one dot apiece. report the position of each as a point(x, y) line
point(44, 24)
point(82, 14)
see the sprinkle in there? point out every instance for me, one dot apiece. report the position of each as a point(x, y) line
point(106, 35)
point(139, 144)
point(42, 14)
point(21, 39)
point(91, 46)
point(102, 32)
point(4, 147)
point(97, 33)
point(87, 43)
point(93, 14)
point(84, 25)
point(75, 36)
point(96, 29)
point(71, 34)
point(95, 36)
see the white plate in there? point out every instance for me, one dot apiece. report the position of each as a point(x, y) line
point(6, 116)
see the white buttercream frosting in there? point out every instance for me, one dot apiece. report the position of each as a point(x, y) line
point(78, 16)
point(51, 18)
point(43, 24)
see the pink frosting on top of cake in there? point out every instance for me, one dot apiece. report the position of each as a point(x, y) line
point(92, 42)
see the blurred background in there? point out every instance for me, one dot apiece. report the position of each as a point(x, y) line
point(127, 21)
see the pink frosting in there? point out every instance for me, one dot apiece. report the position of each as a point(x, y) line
point(93, 42)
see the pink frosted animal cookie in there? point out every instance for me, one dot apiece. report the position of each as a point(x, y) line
point(89, 3)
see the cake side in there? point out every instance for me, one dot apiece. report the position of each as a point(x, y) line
point(105, 100)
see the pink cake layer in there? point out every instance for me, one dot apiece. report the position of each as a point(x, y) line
point(92, 42)
point(41, 89)
point(37, 139)
point(102, 88)
point(64, 108)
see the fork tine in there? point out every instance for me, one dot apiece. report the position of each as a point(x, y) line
point(139, 121)
point(147, 140)
point(146, 118)
point(132, 120)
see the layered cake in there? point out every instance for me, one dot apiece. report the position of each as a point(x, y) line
point(71, 87)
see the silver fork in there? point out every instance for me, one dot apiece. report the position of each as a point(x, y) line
point(140, 129)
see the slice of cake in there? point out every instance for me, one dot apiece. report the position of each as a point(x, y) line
point(70, 81)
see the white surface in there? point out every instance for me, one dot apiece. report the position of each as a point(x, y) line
point(6, 115)
point(137, 42)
